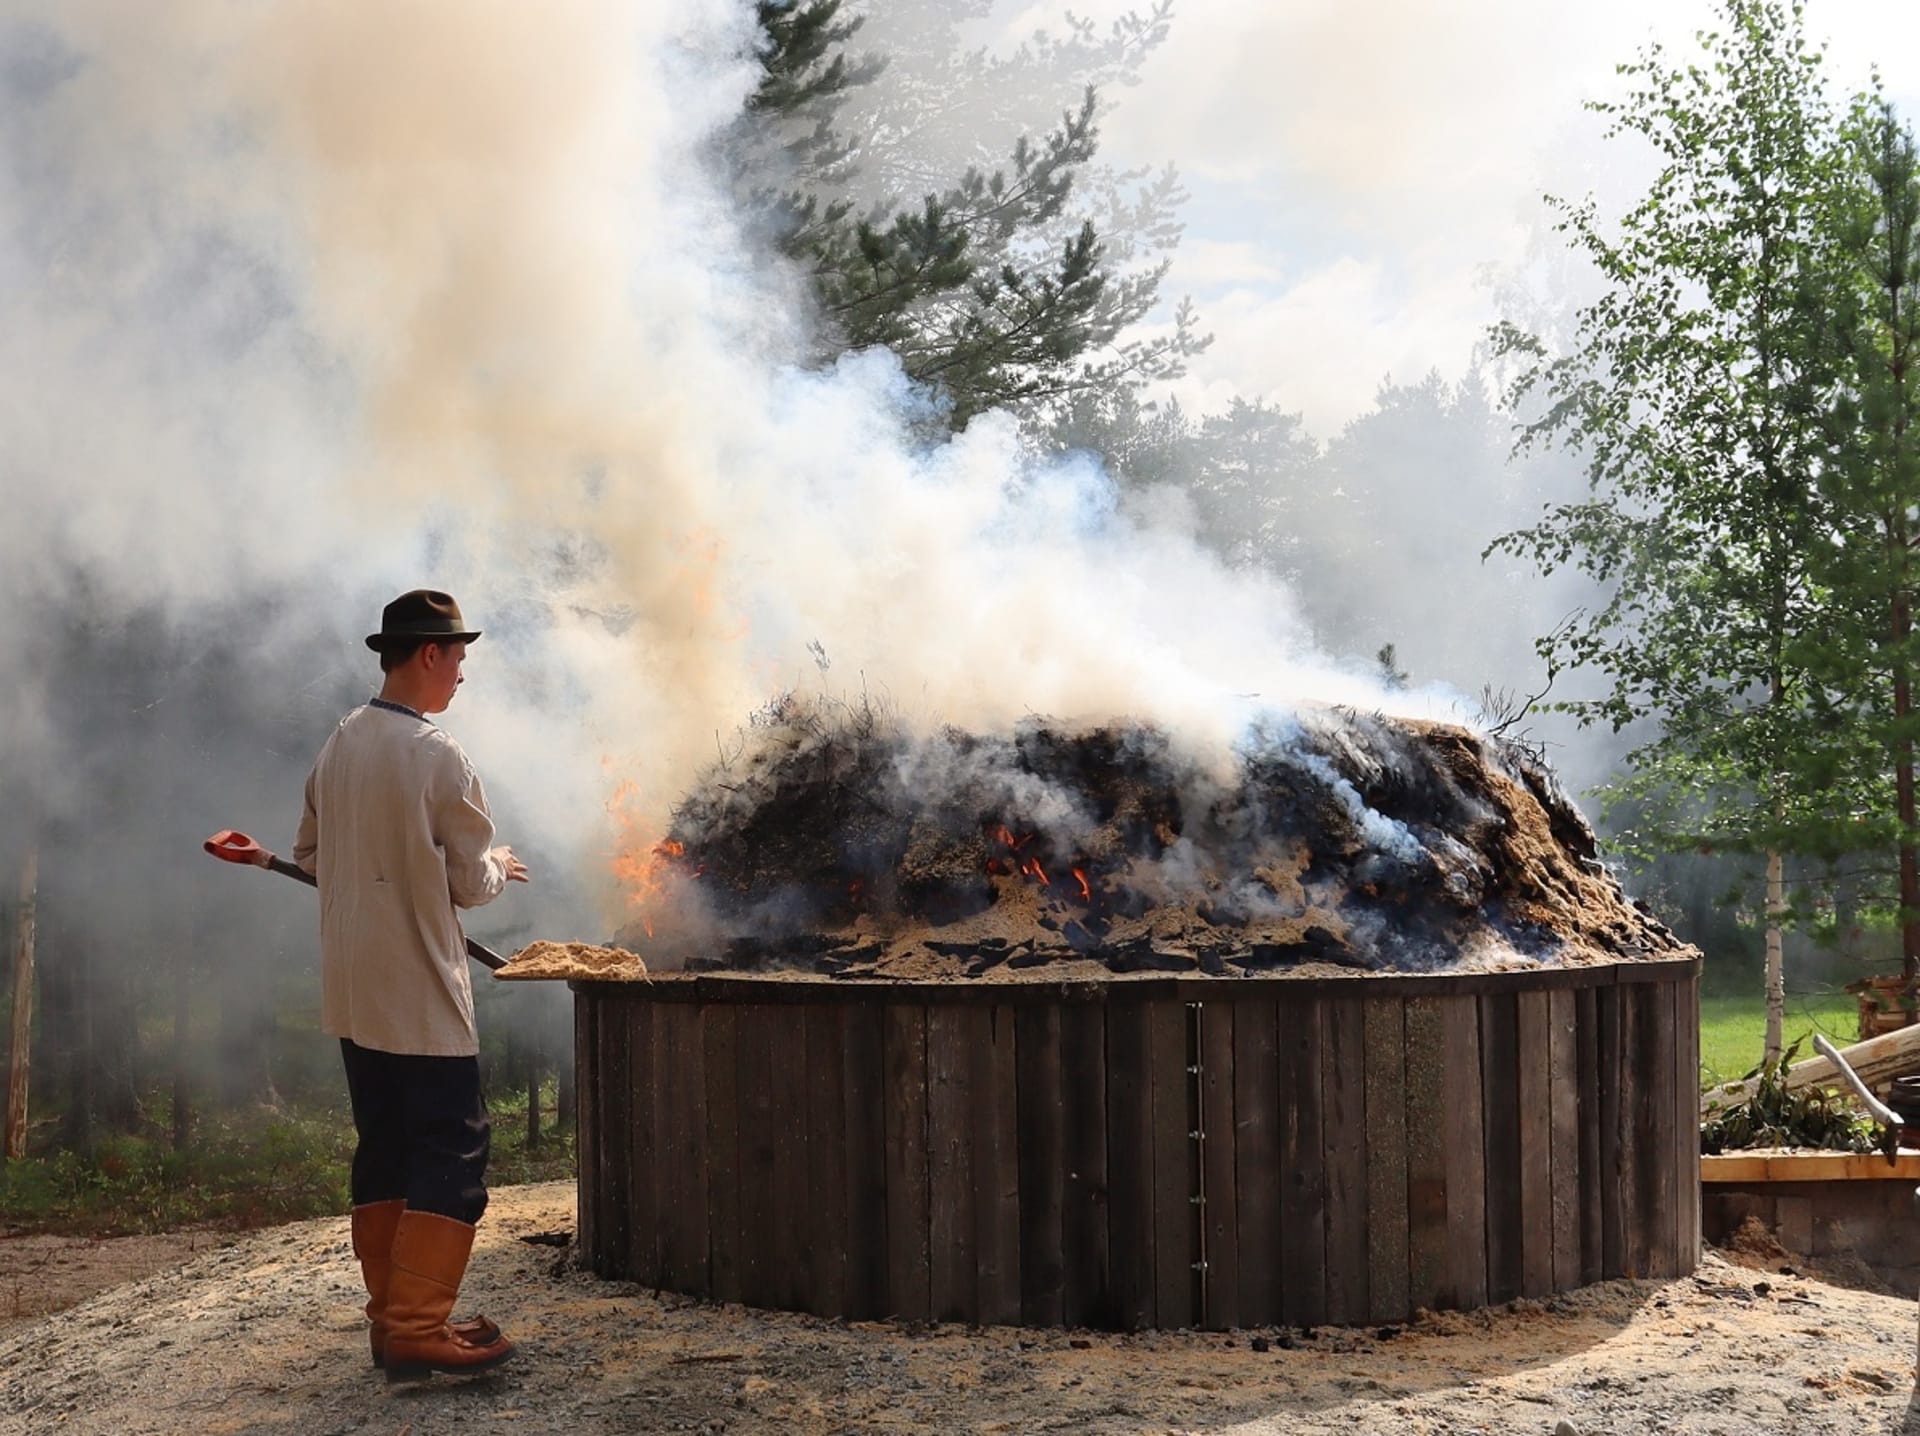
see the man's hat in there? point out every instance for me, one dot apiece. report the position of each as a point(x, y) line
point(425, 613)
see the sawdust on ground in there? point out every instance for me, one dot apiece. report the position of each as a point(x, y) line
point(264, 1335)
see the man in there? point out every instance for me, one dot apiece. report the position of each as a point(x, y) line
point(397, 833)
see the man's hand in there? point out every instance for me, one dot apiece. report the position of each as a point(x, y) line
point(516, 870)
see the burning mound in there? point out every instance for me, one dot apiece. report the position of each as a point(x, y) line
point(845, 844)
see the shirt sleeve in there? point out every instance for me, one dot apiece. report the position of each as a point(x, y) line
point(306, 843)
point(464, 830)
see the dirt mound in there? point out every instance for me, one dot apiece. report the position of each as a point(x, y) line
point(1329, 838)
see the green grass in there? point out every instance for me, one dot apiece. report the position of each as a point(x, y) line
point(240, 1170)
point(1733, 1029)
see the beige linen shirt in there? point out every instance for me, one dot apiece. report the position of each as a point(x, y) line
point(397, 832)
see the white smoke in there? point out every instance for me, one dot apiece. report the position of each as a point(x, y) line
point(337, 300)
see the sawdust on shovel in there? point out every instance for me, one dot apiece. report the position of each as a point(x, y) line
point(266, 1335)
point(581, 960)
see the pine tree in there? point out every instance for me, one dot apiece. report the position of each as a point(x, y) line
point(988, 284)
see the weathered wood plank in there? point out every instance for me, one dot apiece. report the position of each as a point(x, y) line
point(1464, 1125)
point(1386, 1079)
point(1427, 1101)
point(1041, 1135)
point(1256, 1135)
point(996, 1165)
point(909, 1205)
point(643, 1230)
point(1303, 1169)
point(1686, 1016)
point(1344, 1097)
point(950, 1163)
point(791, 1259)
point(1130, 1166)
point(1660, 1161)
point(1564, 1063)
point(1220, 1213)
point(680, 1122)
point(1175, 1249)
point(759, 1209)
point(824, 1212)
point(1087, 1290)
point(1535, 1174)
point(588, 1153)
point(1500, 1107)
point(1586, 1009)
point(1615, 1100)
point(723, 1169)
point(868, 1240)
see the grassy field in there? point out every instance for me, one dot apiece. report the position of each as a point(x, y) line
point(1733, 1029)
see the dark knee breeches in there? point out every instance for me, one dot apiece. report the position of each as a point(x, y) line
point(423, 1128)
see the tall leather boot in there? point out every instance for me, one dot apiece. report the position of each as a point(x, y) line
point(374, 1225)
point(429, 1258)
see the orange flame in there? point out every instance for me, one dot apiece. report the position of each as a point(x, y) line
point(1031, 867)
point(644, 868)
point(1086, 893)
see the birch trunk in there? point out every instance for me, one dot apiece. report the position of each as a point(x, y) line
point(1776, 958)
point(19, 1052)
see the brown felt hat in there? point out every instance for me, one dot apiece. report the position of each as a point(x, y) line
point(424, 613)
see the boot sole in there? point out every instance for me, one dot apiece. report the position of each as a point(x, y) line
point(400, 1371)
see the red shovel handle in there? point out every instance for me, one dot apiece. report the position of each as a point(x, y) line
point(235, 847)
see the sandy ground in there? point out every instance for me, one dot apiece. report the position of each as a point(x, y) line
point(264, 1335)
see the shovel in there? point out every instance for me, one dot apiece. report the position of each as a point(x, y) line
point(232, 847)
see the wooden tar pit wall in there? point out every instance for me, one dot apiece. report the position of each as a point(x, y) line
point(1140, 1151)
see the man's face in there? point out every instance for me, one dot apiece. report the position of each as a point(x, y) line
point(440, 665)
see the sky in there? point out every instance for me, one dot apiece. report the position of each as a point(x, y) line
point(1360, 170)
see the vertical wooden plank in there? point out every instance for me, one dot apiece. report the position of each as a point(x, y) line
point(1041, 1136)
point(1467, 1171)
point(909, 1254)
point(616, 1148)
point(1614, 1098)
point(1129, 1164)
point(950, 1164)
point(1427, 1274)
point(682, 1199)
point(1535, 1175)
point(1344, 1088)
point(1500, 1117)
point(1686, 997)
point(1220, 1214)
point(586, 1117)
point(1386, 1159)
point(1087, 1290)
point(1303, 1166)
point(1659, 1169)
point(1174, 1213)
point(1586, 1008)
point(791, 1257)
point(1563, 1061)
point(1256, 1135)
point(867, 1238)
point(996, 1164)
point(1629, 1125)
point(824, 1224)
point(723, 1173)
point(643, 1206)
point(759, 1212)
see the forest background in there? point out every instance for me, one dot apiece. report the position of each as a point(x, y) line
point(1657, 520)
